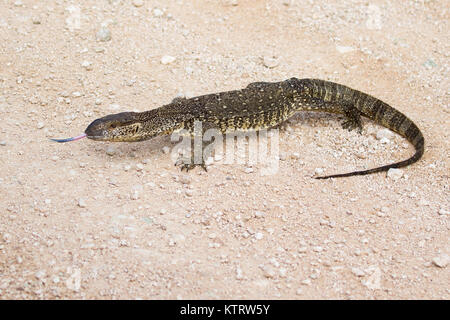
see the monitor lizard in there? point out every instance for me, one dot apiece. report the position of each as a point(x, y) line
point(259, 106)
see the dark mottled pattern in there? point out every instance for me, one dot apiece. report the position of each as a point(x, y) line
point(261, 105)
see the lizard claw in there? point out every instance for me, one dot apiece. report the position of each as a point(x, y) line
point(187, 164)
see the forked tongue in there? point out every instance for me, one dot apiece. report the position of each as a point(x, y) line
point(81, 136)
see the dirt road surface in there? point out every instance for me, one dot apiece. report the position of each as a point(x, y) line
point(92, 220)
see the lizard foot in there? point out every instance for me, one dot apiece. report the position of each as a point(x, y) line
point(353, 120)
point(351, 124)
point(187, 164)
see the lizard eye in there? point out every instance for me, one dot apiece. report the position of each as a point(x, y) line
point(112, 126)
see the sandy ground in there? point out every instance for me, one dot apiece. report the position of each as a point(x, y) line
point(80, 222)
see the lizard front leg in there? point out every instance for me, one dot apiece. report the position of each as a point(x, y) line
point(199, 151)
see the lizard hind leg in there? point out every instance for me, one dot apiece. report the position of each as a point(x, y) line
point(353, 119)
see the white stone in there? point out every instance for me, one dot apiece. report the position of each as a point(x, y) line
point(73, 21)
point(270, 62)
point(110, 151)
point(441, 260)
point(103, 35)
point(374, 21)
point(358, 272)
point(317, 249)
point(87, 65)
point(268, 271)
point(373, 281)
point(40, 274)
point(239, 275)
point(344, 49)
point(395, 173)
point(306, 282)
point(259, 214)
point(138, 3)
point(165, 150)
point(157, 13)
point(318, 170)
point(248, 170)
point(74, 281)
point(82, 203)
point(167, 59)
point(384, 133)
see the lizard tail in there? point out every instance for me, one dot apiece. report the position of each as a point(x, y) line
point(414, 158)
point(383, 114)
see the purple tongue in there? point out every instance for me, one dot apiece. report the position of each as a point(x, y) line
point(81, 136)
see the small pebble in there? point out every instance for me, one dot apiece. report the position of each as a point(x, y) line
point(103, 35)
point(138, 3)
point(259, 236)
point(166, 150)
point(248, 170)
point(239, 275)
point(344, 49)
point(268, 271)
point(358, 272)
point(82, 203)
point(441, 260)
point(395, 173)
point(385, 140)
point(259, 214)
point(167, 59)
point(40, 274)
point(110, 151)
point(270, 62)
point(3, 143)
point(306, 282)
point(36, 20)
point(87, 65)
point(318, 170)
point(157, 13)
point(384, 133)
point(185, 179)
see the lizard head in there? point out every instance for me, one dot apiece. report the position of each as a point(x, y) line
point(119, 127)
point(130, 126)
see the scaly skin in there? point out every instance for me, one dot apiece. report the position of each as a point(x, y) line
point(258, 106)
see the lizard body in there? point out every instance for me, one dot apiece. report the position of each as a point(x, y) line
point(258, 106)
